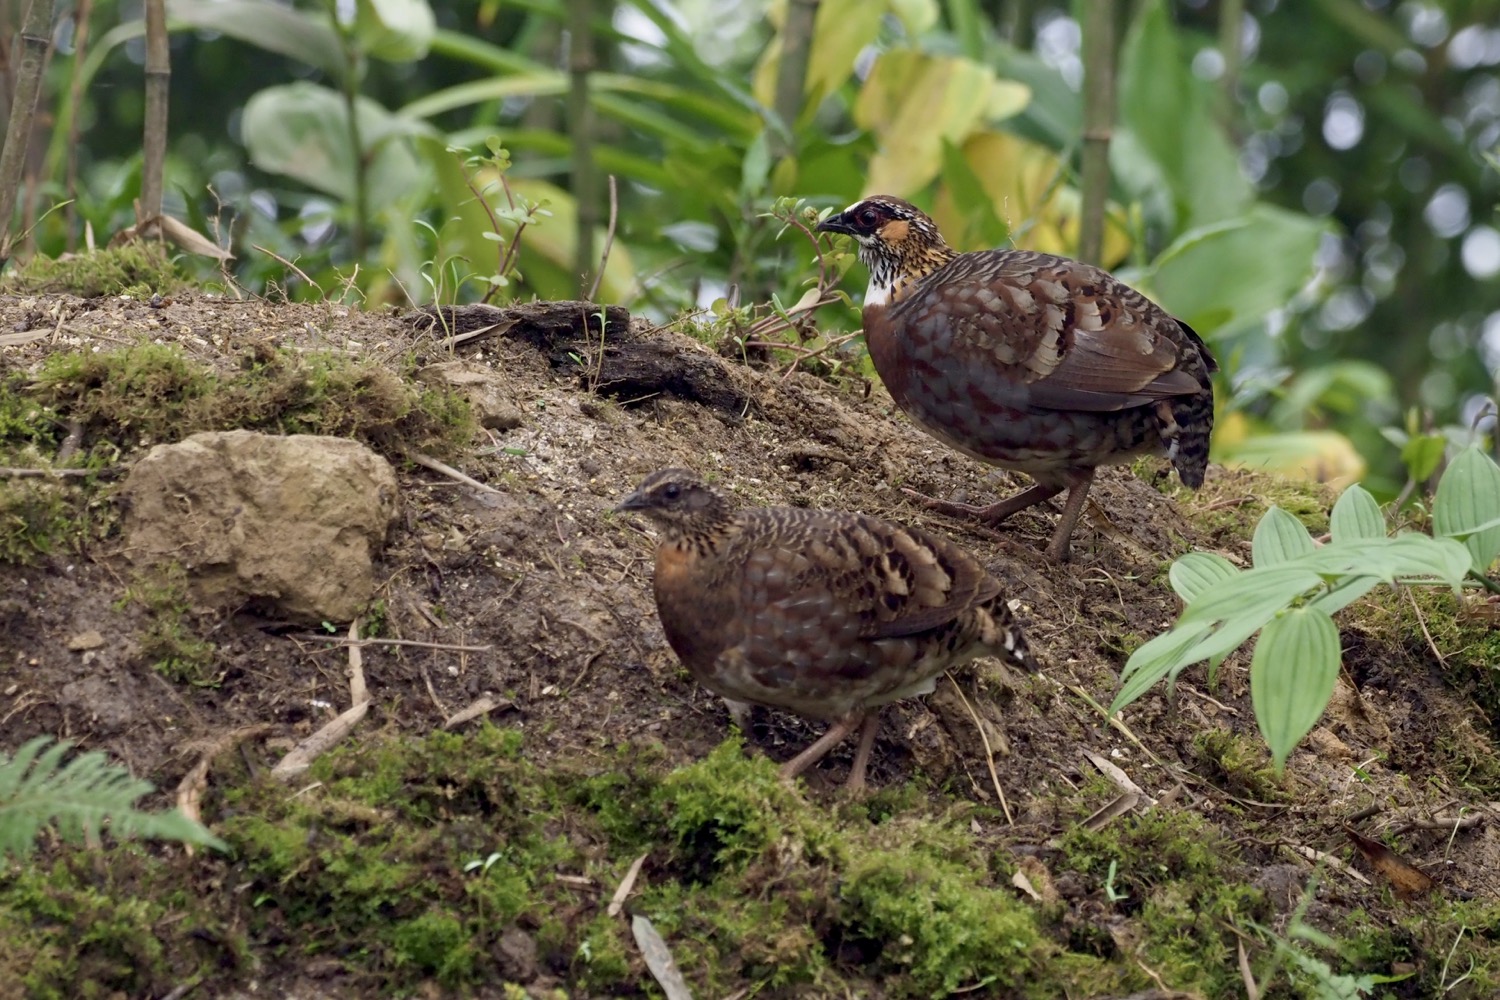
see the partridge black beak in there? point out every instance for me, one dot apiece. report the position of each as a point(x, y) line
point(836, 224)
point(636, 501)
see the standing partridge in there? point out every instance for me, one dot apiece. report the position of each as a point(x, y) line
point(1027, 361)
point(825, 613)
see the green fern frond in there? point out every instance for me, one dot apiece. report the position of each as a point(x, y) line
point(79, 797)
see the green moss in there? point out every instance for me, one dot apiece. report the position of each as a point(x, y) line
point(437, 943)
point(35, 519)
point(729, 810)
point(138, 268)
point(1230, 505)
point(1175, 889)
point(407, 859)
point(153, 393)
point(1240, 765)
point(78, 928)
point(169, 641)
point(922, 915)
point(45, 515)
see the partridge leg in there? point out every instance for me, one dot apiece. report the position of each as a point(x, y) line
point(739, 712)
point(856, 781)
point(837, 733)
point(993, 513)
point(1078, 493)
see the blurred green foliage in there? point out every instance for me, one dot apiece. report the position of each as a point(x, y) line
point(1321, 208)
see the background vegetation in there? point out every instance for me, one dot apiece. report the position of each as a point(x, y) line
point(1305, 183)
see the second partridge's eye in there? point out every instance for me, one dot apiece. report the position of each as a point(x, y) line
point(671, 491)
point(869, 217)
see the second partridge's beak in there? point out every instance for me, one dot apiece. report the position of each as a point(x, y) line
point(636, 501)
point(836, 224)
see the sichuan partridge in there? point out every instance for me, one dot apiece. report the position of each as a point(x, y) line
point(1027, 361)
point(824, 613)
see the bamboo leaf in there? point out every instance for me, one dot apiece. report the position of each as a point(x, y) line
point(1356, 515)
point(1279, 538)
point(1467, 501)
point(1292, 674)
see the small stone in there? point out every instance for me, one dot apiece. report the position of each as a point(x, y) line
point(86, 640)
point(516, 955)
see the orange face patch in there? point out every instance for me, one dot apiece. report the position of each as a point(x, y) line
point(674, 565)
point(895, 231)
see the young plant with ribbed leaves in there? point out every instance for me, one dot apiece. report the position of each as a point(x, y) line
point(1296, 586)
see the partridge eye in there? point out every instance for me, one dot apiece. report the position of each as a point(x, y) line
point(869, 217)
point(671, 491)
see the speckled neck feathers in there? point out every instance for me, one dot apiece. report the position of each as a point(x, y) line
point(895, 269)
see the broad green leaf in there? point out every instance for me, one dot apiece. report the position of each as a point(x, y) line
point(1232, 633)
point(1292, 674)
point(916, 16)
point(1025, 184)
point(300, 130)
point(1421, 455)
point(1356, 515)
point(394, 30)
point(1195, 572)
point(1343, 386)
point(913, 101)
point(756, 167)
point(1344, 593)
point(271, 26)
point(1165, 112)
point(1269, 250)
point(1279, 538)
point(966, 195)
point(1405, 556)
point(1251, 593)
point(1468, 499)
point(1155, 660)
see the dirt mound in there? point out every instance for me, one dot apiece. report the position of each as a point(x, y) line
point(599, 748)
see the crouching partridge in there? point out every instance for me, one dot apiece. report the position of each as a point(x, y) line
point(1031, 362)
point(824, 613)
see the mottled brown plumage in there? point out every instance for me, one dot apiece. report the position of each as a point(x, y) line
point(1028, 361)
point(825, 613)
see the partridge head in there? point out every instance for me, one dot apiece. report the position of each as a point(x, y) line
point(1026, 360)
point(826, 614)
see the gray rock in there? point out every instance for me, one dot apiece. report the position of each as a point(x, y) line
point(292, 523)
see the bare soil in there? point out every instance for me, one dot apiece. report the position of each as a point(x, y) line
point(551, 597)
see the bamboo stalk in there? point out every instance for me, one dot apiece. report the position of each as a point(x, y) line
point(352, 72)
point(1231, 20)
point(81, 19)
point(581, 125)
point(158, 83)
point(36, 38)
point(1098, 121)
point(791, 70)
point(1022, 29)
